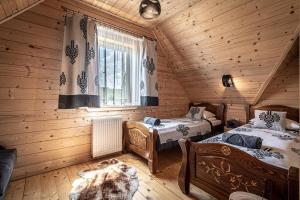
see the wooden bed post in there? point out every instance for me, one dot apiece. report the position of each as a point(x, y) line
point(124, 139)
point(184, 174)
point(293, 183)
point(220, 113)
point(153, 158)
point(247, 110)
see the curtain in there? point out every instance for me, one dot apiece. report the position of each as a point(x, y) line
point(79, 71)
point(148, 82)
point(120, 57)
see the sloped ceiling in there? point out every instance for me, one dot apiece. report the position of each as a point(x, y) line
point(284, 87)
point(129, 9)
point(10, 8)
point(243, 38)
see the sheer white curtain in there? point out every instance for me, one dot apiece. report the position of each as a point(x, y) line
point(120, 58)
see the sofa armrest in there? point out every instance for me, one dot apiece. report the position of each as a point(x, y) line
point(7, 162)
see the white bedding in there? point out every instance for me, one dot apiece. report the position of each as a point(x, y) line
point(278, 148)
point(177, 128)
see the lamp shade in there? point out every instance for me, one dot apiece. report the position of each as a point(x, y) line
point(227, 80)
point(150, 9)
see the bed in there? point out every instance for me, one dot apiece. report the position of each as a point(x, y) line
point(147, 141)
point(220, 168)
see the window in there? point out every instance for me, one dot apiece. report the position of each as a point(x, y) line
point(120, 56)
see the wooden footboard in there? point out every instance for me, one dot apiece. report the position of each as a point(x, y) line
point(221, 169)
point(138, 139)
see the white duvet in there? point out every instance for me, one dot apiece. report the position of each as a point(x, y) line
point(177, 128)
point(278, 148)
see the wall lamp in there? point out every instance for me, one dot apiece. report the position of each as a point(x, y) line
point(227, 80)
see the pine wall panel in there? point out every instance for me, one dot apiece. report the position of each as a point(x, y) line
point(284, 87)
point(30, 56)
point(8, 8)
point(282, 90)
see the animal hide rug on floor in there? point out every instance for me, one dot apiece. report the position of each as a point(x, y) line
point(110, 180)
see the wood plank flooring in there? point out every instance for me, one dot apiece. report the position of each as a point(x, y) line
point(55, 185)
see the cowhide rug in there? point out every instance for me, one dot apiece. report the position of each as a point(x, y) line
point(110, 180)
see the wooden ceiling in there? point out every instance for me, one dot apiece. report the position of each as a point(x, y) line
point(129, 9)
point(247, 39)
point(10, 8)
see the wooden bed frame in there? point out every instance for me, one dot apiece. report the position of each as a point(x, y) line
point(138, 139)
point(220, 169)
point(218, 110)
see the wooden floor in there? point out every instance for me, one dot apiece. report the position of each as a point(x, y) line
point(55, 185)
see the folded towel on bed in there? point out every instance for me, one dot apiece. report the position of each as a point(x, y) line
point(152, 121)
point(251, 142)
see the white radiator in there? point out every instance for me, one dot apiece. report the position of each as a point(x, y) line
point(106, 136)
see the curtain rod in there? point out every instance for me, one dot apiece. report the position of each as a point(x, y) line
point(108, 24)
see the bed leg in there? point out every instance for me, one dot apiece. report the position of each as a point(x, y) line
point(124, 138)
point(293, 183)
point(184, 174)
point(153, 158)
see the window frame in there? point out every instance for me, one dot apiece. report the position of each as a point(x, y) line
point(105, 105)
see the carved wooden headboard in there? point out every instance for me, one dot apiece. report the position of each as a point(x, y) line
point(217, 109)
point(292, 113)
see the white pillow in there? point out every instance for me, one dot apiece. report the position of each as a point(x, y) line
point(207, 114)
point(270, 120)
point(291, 125)
point(195, 113)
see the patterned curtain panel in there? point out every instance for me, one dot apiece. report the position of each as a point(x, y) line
point(79, 85)
point(148, 84)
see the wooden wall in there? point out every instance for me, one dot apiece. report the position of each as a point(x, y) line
point(284, 88)
point(10, 8)
point(236, 111)
point(30, 56)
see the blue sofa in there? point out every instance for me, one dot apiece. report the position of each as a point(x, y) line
point(7, 163)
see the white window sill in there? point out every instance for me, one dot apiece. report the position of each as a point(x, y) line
point(111, 108)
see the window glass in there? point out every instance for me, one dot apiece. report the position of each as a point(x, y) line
point(119, 62)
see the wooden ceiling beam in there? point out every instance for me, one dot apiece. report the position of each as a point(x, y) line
point(277, 65)
point(7, 18)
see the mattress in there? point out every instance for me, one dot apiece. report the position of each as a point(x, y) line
point(174, 129)
point(280, 149)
